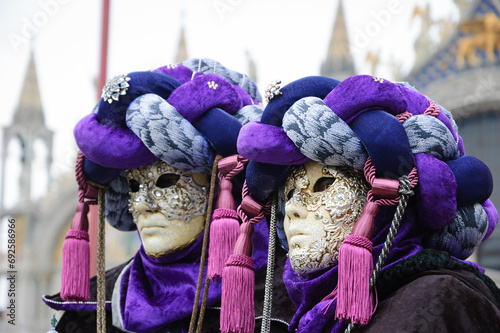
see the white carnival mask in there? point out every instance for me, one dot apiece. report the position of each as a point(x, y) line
point(168, 206)
point(323, 204)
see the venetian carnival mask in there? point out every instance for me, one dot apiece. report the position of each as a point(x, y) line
point(168, 206)
point(323, 203)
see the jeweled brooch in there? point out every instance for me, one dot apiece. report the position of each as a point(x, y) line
point(114, 88)
point(273, 89)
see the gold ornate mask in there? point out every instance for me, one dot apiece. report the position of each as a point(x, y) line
point(323, 203)
point(168, 206)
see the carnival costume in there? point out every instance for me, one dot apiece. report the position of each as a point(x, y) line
point(171, 121)
point(402, 267)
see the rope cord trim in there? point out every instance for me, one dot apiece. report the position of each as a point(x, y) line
point(101, 267)
point(268, 291)
point(208, 217)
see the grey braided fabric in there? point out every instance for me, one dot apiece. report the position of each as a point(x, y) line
point(249, 113)
point(463, 234)
point(168, 135)
point(322, 136)
point(116, 198)
point(209, 66)
point(427, 134)
point(449, 116)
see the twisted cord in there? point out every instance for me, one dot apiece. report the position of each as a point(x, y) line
point(402, 117)
point(208, 217)
point(369, 171)
point(268, 292)
point(405, 192)
point(237, 169)
point(101, 265)
point(432, 109)
point(243, 215)
point(83, 184)
point(203, 306)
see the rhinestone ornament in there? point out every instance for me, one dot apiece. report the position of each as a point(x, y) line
point(114, 88)
point(212, 85)
point(273, 89)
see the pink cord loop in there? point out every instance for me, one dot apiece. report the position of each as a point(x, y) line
point(232, 165)
point(385, 192)
point(251, 207)
point(86, 192)
point(432, 109)
point(402, 117)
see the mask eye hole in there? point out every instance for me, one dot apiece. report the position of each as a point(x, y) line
point(134, 185)
point(167, 180)
point(323, 183)
point(290, 194)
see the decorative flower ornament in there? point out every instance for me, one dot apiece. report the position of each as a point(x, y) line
point(212, 85)
point(114, 88)
point(273, 89)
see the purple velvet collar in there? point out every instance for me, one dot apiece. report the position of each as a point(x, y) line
point(157, 291)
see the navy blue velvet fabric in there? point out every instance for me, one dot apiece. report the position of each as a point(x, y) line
point(98, 173)
point(140, 83)
point(210, 125)
point(317, 86)
point(474, 180)
point(264, 178)
point(386, 141)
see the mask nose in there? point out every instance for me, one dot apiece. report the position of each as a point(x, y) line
point(295, 210)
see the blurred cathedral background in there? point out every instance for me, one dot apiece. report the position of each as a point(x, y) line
point(461, 71)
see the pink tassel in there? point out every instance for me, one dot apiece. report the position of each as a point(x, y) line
point(223, 234)
point(223, 231)
point(238, 286)
point(75, 285)
point(355, 302)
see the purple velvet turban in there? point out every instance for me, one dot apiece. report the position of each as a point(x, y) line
point(394, 125)
point(400, 130)
point(182, 114)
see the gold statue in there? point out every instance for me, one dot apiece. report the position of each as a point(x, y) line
point(485, 36)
